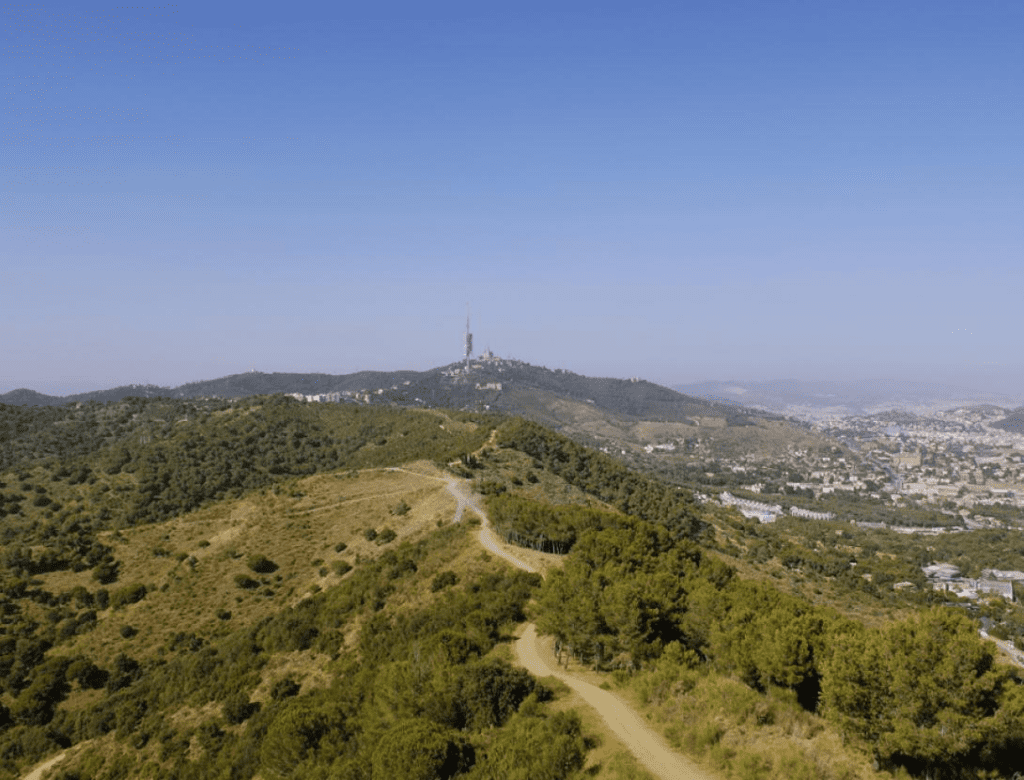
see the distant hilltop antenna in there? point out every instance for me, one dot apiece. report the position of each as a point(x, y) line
point(469, 339)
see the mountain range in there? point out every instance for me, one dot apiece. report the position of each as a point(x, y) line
point(507, 385)
point(623, 413)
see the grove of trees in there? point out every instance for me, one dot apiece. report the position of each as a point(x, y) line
point(924, 694)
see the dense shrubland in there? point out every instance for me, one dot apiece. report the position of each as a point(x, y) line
point(76, 471)
point(606, 479)
point(543, 526)
point(172, 456)
point(925, 694)
point(419, 690)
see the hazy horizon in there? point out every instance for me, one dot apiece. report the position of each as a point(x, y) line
point(681, 192)
point(1011, 391)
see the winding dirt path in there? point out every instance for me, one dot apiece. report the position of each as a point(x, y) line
point(647, 745)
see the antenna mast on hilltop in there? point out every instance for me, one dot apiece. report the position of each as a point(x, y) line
point(469, 339)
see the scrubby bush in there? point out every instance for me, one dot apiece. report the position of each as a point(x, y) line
point(370, 534)
point(126, 671)
point(304, 728)
point(246, 582)
point(401, 508)
point(489, 487)
point(106, 571)
point(284, 688)
point(261, 564)
point(443, 580)
point(129, 594)
point(418, 749)
point(386, 535)
point(237, 708)
point(532, 747)
point(86, 674)
point(341, 568)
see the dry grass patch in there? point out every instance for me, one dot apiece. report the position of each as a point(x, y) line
point(517, 472)
point(195, 567)
point(303, 666)
point(741, 733)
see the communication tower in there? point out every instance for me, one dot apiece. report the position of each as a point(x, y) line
point(469, 339)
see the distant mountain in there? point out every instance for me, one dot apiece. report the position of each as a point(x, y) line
point(597, 410)
point(803, 398)
point(24, 397)
point(496, 383)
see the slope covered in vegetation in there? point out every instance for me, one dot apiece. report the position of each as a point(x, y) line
point(207, 589)
point(224, 590)
point(924, 696)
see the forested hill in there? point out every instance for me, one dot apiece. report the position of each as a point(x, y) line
point(144, 623)
point(508, 385)
point(136, 580)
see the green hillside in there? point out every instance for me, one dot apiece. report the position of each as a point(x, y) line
point(266, 588)
point(449, 386)
point(619, 415)
point(201, 588)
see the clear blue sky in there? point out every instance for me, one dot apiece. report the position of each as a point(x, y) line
point(679, 190)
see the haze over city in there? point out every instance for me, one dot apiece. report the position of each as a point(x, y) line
point(681, 192)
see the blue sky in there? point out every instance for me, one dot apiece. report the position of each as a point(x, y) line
point(680, 191)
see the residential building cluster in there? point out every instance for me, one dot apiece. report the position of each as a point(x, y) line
point(768, 513)
point(953, 463)
point(954, 459)
point(946, 577)
point(320, 398)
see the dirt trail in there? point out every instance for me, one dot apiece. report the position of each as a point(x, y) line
point(642, 741)
point(648, 746)
point(38, 771)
